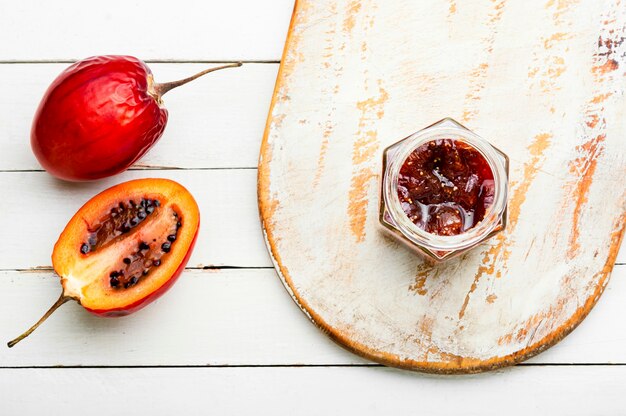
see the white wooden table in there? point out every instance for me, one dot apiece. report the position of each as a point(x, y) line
point(227, 339)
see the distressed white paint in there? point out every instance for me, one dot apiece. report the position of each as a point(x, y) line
point(159, 30)
point(227, 317)
point(358, 80)
point(314, 391)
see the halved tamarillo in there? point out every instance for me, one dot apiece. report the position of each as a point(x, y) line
point(125, 247)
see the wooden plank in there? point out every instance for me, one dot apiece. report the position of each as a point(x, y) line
point(188, 30)
point(216, 122)
point(229, 234)
point(544, 82)
point(313, 391)
point(37, 207)
point(228, 317)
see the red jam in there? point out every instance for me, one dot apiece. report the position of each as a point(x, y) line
point(445, 187)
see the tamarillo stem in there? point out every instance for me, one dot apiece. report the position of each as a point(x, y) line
point(62, 299)
point(160, 89)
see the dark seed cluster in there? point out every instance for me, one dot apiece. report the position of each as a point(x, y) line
point(140, 262)
point(120, 220)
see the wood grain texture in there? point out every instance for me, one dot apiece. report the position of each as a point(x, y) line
point(235, 391)
point(187, 30)
point(209, 317)
point(543, 81)
point(228, 318)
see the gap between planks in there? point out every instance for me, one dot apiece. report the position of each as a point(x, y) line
point(355, 365)
point(40, 269)
point(144, 167)
point(148, 61)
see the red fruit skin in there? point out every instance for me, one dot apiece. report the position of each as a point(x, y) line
point(97, 118)
point(118, 312)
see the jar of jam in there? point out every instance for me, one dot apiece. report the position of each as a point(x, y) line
point(444, 190)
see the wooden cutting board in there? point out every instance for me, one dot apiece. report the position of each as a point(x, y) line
point(544, 81)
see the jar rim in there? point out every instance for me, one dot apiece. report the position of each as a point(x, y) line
point(397, 154)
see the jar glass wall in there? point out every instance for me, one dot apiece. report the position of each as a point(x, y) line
point(395, 220)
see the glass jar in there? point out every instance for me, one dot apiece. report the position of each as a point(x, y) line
point(439, 247)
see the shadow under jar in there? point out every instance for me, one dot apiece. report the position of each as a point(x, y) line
point(444, 190)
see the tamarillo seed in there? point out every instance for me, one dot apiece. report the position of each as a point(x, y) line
point(171, 237)
point(126, 260)
point(166, 247)
point(84, 249)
